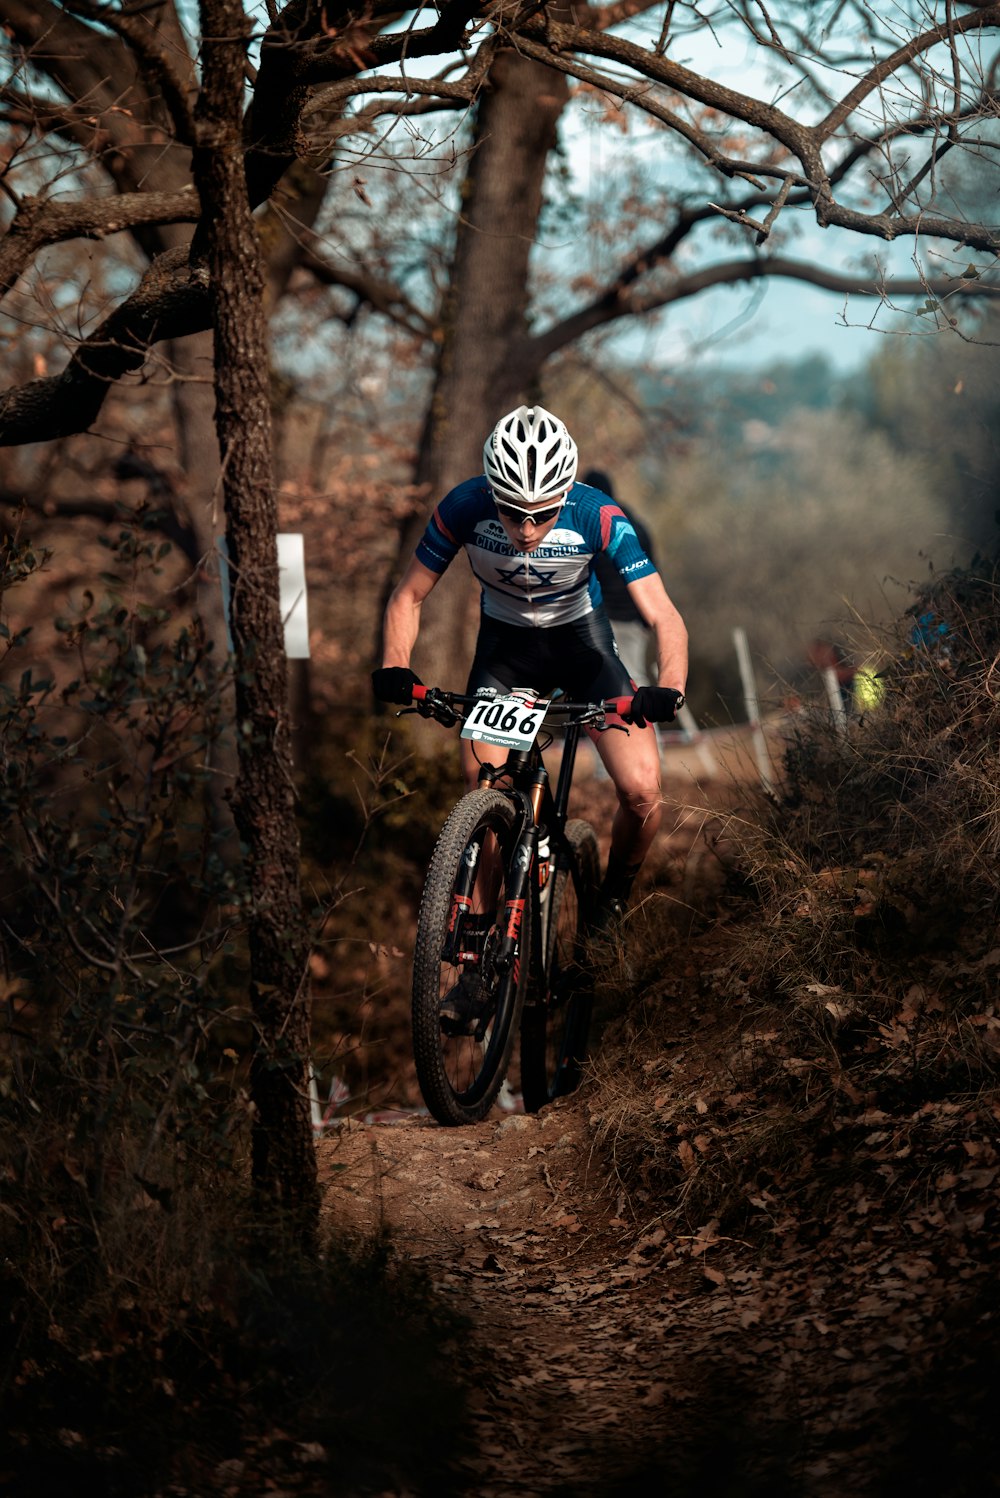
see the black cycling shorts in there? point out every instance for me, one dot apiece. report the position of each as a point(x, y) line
point(579, 657)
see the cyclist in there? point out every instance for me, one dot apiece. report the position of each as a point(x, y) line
point(530, 533)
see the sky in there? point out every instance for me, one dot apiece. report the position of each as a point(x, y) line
point(774, 321)
point(753, 323)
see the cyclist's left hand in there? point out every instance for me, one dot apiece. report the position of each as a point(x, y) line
point(653, 705)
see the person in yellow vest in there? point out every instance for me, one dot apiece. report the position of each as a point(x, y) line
point(868, 687)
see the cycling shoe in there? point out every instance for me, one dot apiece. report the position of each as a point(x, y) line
point(466, 1007)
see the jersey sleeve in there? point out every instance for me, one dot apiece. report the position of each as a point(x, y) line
point(609, 530)
point(442, 540)
point(625, 550)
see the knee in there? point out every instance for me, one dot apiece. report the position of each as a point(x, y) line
point(641, 796)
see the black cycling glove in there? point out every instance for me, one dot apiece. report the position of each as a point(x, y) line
point(395, 684)
point(654, 705)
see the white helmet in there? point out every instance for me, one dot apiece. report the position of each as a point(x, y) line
point(530, 456)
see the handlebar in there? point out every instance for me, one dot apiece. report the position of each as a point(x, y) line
point(445, 707)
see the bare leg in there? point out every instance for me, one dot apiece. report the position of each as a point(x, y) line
point(470, 764)
point(633, 762)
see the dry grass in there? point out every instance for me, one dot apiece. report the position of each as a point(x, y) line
point(842, 976)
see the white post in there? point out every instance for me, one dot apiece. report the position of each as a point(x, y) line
point(753, 710)
point(314, 1105)
point(835, 695)
point(292, 590)
point(694, 736)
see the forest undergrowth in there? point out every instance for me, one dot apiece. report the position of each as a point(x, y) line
point(795, 1091)
point(162, 1331)
point(852, 923)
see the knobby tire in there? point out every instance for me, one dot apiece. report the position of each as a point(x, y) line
point(556, 1020)
point(460, 1077)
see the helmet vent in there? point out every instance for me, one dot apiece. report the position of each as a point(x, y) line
point(530, 456)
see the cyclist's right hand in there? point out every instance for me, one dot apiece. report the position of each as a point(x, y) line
point(653, 705)
point(395, 684)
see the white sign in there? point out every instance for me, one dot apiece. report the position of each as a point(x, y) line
point(292, 585)
point(291, 593)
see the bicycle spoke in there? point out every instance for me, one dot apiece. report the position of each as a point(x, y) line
point(467, 994)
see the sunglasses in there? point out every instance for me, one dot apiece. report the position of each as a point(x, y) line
point(517, 513)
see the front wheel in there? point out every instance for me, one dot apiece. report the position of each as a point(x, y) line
point(460, 1074)
point(556, 1020)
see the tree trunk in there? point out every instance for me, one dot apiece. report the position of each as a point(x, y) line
point(191, 360)
point(487, 363)
point(284, 1165)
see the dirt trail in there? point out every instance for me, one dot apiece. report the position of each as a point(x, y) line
point(512, 1219)
point(592, 1343)
point(606, 1356)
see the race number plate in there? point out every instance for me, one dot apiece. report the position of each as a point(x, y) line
point(511, 722)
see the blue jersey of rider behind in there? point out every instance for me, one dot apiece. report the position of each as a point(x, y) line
point(551, 585)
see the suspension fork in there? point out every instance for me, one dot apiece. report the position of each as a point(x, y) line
point(519, 868)
point(461, 902)
point(517, 900)
point(463, 899)
point(530, 792)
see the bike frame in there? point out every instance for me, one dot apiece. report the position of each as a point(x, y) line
point(530, 790)
point(491, 926)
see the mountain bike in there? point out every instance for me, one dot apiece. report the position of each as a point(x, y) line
point(509, 897)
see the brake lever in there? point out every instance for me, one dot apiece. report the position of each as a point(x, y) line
point(440, 711)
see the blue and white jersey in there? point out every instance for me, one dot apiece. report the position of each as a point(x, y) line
point(554, 583)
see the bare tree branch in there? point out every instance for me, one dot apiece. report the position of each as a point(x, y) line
point(311, 45)
point(39, 222)
point(802, 141)
point(158, 70)
point(87, 66)
point(874, 79)
point(446, 91)
point(651, 103)
point(311, 58)
point(170, 302)
point(377, 293)
point(625, 298)
point(81, 60)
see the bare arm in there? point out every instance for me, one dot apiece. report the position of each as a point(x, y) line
point(650, 598)
point(401, 623)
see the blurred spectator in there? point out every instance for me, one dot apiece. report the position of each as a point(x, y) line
point(632, 633)
point(929, 634)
